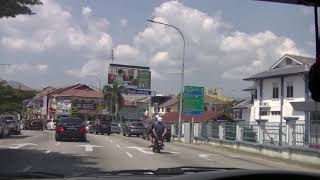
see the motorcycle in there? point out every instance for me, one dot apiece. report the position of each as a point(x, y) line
point(157, 146)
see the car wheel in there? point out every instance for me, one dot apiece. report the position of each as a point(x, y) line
point(124, 134)
point(97, 132)
point(138, 135)
point(168, 140)
point(102, 133)
point(109, 134)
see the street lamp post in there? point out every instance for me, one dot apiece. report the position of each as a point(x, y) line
point(182, 74)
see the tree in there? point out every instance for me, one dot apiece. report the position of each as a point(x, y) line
point(12, 8)
point(113, 95)
point(74, 112)
point(11, 99)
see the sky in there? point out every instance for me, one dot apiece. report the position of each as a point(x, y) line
point(68, 42)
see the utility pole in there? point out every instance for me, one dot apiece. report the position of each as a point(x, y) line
point(112, 56)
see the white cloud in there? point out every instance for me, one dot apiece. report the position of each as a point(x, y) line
point(86, 11)
point(160, 57)
point(26, 68)
point(124, 22)
point(93, 67)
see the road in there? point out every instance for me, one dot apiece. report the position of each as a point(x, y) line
point(38, 151)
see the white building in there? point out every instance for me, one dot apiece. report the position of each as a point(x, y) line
point(275, 88)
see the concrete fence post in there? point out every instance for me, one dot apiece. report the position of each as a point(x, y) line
point(261, 130)
point(239, 129)
point(291, 130)
point(222, 127)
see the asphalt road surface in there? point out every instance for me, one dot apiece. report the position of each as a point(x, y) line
point(38, 151)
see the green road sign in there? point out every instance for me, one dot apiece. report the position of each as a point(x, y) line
point(193, 100)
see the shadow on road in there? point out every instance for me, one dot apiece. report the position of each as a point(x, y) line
point(20, 160)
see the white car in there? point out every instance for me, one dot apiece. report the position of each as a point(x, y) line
point(51, 125)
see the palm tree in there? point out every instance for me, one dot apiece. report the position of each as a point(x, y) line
point(113, 95)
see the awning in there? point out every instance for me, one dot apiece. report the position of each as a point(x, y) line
point(306, 106)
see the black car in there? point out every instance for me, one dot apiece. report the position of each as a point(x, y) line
point(101, 127)
point(71, 128)
point(133, 128)
point(35, 124)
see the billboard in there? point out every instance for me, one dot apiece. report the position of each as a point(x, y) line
point(137, 79)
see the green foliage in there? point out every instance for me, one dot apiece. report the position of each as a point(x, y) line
point(11, 99)
point(12, 8)
point(74, 112)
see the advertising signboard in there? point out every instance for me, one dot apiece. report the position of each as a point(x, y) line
point(137, 79)
point(193, 100)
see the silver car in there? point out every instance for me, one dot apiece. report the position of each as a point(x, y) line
point(4, 128)
point(115, 128)
point(13, 124)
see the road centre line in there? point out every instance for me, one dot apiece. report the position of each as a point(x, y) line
point(118, 146)
point(129, 155)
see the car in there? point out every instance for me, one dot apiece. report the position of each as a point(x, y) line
point(4, 128)
point(115, 128)
point(101, 127)
point(71, 128)
point(13, 124)
point(51, 124)
point(36, 124)
point(133, 128)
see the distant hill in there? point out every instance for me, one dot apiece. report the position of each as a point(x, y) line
point(18, 85)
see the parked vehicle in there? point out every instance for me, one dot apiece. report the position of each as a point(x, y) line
point(4, 128)
point(13, 124)
point(115, 128)
point(36, 124)
point(71, 128)
point(133, 128)
point(51, 124)
point(101, 127)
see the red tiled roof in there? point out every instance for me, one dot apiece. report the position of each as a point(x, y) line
point(212, 115)
point(78, 91)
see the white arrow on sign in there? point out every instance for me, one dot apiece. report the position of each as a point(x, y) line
point(141, 149)
point(89, 147)
point(18, 146)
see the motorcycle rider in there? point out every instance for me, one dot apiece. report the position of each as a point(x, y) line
point(159, 130)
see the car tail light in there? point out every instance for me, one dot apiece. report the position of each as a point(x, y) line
point(82, 130)
point(60, 129)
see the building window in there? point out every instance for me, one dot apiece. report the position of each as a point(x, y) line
point(289, 89)
point(275, 113)
point(168, 110)
point(275, 92)
point(263, 113)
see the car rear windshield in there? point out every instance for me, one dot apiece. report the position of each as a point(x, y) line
point(137, 124)
point(70, 121)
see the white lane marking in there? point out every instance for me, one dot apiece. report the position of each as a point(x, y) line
point(27, 168)
point(129, 155)
point(118, 146)
point(18, 146)
point(89, 147)
point(233, 156)
point(143, 150)
point(48, 151)
point(110, 140)
point(206, 156)
point(58, 143)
